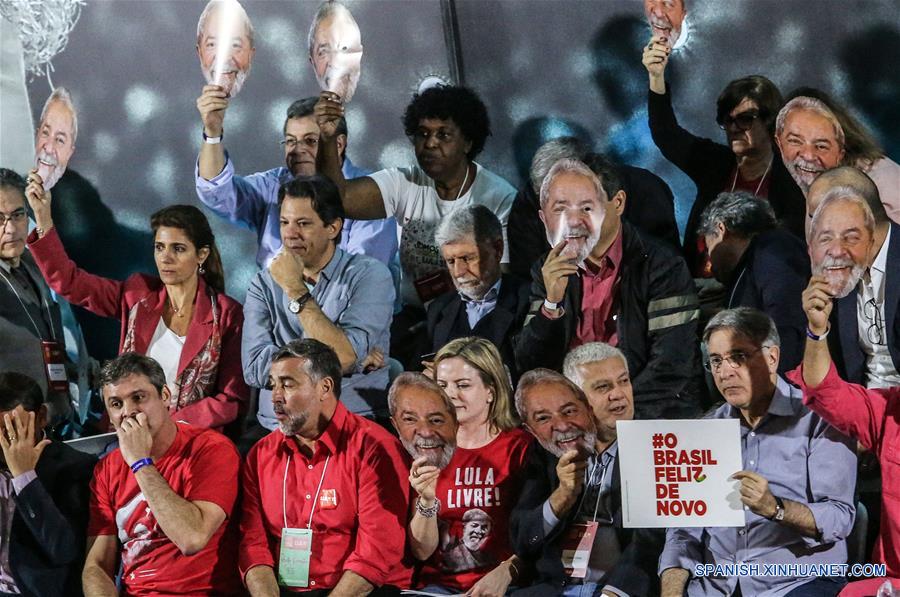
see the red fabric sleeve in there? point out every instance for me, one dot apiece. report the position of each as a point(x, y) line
point(254, 548)
point(851, 409)
point(214, 472)
point(103, 517)
point(98, 295)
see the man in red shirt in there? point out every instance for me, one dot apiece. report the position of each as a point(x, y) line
point(325, 497)
point(162, 497)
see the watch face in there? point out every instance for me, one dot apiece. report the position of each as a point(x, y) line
point(294, 306)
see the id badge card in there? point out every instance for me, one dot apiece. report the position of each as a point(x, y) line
point(55, 365)
point(293, 563)
point(576, 548)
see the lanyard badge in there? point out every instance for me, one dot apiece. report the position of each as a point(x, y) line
point(576, 548)
point(54, 363)
point(293, 563)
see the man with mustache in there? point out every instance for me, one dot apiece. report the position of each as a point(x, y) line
point(851, 243)
point(335, 49)
point(796, 485)
point(225, 45)
point(572, 483)
point(327, 483)
point(666, 18)
point(485, 303)
point(810, 139)
point(315, 289)
point(604, 281)
point(54, 141)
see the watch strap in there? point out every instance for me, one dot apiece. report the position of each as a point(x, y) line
point(213, 140)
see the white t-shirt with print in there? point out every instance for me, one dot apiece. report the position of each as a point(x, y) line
point(409, 195)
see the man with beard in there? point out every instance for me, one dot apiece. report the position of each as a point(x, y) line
point(667, 19)
point(315, 289)
point(485, 303)
point(225, 45)
point(761, 265)
point(603, 281)
point(252, 201)
point(572, 484)
point(54, 141)
point(796, 485)
point(851, 243)
point(335, 49)
point(327, 487)
point(810, 139)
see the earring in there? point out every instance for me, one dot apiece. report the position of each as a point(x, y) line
point(200, 269)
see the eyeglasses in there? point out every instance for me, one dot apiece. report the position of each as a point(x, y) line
point(290, 143)
point(875, 331)
point(742, 121)
point(16, 217)
point(735, 360)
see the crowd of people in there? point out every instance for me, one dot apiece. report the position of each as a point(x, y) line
point(422, 386)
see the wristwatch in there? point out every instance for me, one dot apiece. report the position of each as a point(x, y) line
point(779, 509)
point(296, 305)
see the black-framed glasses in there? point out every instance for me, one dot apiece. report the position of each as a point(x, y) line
point(16, 217)
point(742, 121)
point(875, 331)
point(735, 360)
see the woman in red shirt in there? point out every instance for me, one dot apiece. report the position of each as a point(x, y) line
point(477, 488)
point(182, 319)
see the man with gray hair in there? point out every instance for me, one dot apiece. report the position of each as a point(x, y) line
point(651, 210)
point(225, 45)
point(797, 480)
point(866, 345)
point(335, 49)
point(604, 281)
point(485, 303)
point(810, 139)
point(761, 265)
point(54, 140)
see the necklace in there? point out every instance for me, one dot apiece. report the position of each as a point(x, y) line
point(178, 311)
point(465, 180)
point(761, 180)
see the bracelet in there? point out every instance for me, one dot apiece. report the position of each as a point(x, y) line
point(812, 336)
point(515, 571)
point(139, 464)
point(550, 306)
point(428, 512)
point(213, 140)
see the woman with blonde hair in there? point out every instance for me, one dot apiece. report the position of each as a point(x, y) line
point(477, 489)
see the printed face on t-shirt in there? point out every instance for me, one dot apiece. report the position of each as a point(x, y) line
point(559, 419)
point(476, 530)
point(426, 427)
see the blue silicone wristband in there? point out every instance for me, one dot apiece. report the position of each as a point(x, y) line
point(138, 465)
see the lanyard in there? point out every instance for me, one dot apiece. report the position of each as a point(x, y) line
point(284, 492)
point(590, 477)
point(24, 308)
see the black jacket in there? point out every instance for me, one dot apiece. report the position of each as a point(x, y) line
point(46, 546)
point(771, 276)
point(649, 206)
point(711, 165)
point(843, 340)
point(447, 319)
point(656, 322)
point(635, 572)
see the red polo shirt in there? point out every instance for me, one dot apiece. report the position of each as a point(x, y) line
point(596, 323)
point(359, 523)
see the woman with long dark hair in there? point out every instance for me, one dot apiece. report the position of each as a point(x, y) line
point(182, 318)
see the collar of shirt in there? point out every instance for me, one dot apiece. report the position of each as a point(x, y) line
point(879, 266)
point(610, 261)
point(331, 438)
point(334, 266)
point(783, 403)
point(489, 297)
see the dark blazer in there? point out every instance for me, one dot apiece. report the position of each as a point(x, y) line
point(711, 165)
point(46, 546)
point(849, 358)
point(447, 319)
point(635, 573)
point(649, 206)
point(771, 276)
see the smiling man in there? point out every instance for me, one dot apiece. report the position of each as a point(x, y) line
point(666, 18)
point(335, 49)
point(579, 291)
point(54, 141)
point(810, 139)
point(225, 45)
point(797, 480)
point(314, 289)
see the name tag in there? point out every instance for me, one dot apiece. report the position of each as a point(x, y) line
point(576, 546)
point(293, 562)
point(328, 499)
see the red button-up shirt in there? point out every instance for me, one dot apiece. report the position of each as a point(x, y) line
point(359, 523)
point(598, 283)
point(871, 417)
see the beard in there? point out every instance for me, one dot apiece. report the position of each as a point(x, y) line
point(342, 74)
point(231, 86)
point(839, 285)
point(666, 28)
point(51, 171)
point(581, 241)
point(418, 444)
point(293, 424)
point(588, 441)
point(803, 178)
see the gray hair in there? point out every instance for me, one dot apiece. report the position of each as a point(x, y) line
point(750, 323)
point(811, 104)
point(132, 363)
point(742, 213)
point(551, 152)
point(592, 352)
point(567, 165)
point(61, 94)
point(857, 180)
point(540, 376)
point(326, 9)
point(476, 221)
point(412, 379)
point(207, 11)
point(845, 194)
